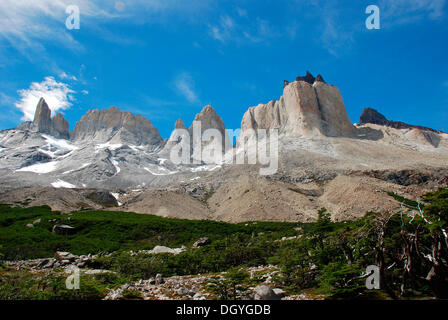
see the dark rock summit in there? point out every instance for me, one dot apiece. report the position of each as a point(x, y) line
point(372, 116)
point(308, 78)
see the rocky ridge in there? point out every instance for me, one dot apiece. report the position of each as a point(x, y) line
point(308, 107)
point(123, 157)
point(43, 123)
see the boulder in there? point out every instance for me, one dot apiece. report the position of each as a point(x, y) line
point(265, 293)
point(163, 249)
point(63, 229)
point(202, 242)
point(279, 292)
point(64, 256)
point(46, 264)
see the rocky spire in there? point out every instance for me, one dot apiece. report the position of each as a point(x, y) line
point(307, 107)
point(43, 123)
point(42, 117)
point(210, 120)
point(60, 127)
point(179, 124)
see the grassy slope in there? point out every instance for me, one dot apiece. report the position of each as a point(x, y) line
point(104, 231)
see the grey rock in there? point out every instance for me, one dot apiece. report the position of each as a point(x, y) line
point(64, 256)
point(43, 122)
point(279, 292)
point(265, 293)
point(202, 242)
point(123, 126)
point(63, 229)
point(159, 279)
point(42, 117)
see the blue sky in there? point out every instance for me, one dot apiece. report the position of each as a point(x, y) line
point(167, 59)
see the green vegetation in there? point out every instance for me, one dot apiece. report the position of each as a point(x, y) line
point(22, 285)
point(108, 231)
point(410, 249)
point(233, 287)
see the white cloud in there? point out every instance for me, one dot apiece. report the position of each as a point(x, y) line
point(26, 23)
point(228, 29)
point(57, 95)
point(185, 85)
point(405, 11)
point(64, 75)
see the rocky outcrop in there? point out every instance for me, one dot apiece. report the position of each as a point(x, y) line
point(202, 242)
point(179, 124)
point(116, 126)
point(43, 123)
point(63, 229)
point(60, 127)
point(209, 119)
point(308, 107)
point(372, 116)
point(42, 117)
point(203, 121)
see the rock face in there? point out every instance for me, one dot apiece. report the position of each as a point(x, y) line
point(114, 125)
point(60, 127)
point(42, 117)
point(374, 117)
point(210, 120)
point(179, 124)
point(43, 123)
point(205, 120)
point(308, 107)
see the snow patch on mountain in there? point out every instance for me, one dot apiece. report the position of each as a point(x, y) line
point(80, 168)
point(117, 168)
point(40, 168)
point(107, 145)
point(62, 184)
point(162, 171)
point(116, 195)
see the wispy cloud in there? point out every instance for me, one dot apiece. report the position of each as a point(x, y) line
point(184, 84)
point(28, 24)
point(58, 96)
point(231, 29)
point(407, 11)
point(340, 25)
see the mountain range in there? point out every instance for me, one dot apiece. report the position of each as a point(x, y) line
point(117, 160)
